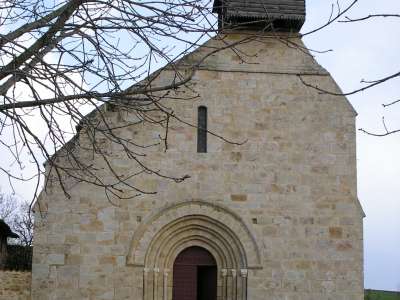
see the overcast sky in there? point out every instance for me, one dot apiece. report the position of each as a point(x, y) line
point(367, 50)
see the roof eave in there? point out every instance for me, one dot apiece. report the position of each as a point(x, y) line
point(273, 16)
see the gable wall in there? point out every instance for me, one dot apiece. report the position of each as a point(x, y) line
point(292, 181)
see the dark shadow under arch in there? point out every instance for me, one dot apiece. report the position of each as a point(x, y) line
point(195, 275)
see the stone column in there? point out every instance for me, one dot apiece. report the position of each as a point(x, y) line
point(155, 283)
point(244, 274)
point(224, 273)
point(145, 282)
point(234, 284)
point(165, 285)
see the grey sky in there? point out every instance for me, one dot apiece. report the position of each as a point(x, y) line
point(366, 50)
point(369, 50)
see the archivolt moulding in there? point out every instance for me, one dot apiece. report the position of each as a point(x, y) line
point(191, 221)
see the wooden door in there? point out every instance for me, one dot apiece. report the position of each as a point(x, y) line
point(195, 275)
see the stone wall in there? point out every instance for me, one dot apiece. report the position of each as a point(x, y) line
point(278, 208)
point(15, 285)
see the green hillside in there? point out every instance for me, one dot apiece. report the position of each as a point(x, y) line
point(381, 295)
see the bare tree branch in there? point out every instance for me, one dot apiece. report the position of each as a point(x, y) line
point(82, 55)
point(332, 19)
point(17, 215)
point(370, 85)
point(348, 19)
point(60, 61)
point(392, 103)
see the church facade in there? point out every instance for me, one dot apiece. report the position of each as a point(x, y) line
point(273, 215)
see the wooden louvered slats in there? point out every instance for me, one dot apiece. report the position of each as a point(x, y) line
point(287, 9)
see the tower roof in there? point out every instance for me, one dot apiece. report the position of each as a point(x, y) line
point(284, 14)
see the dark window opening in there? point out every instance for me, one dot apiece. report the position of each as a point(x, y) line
point(202, 129)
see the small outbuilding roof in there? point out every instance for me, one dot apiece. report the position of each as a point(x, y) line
point(5, 230)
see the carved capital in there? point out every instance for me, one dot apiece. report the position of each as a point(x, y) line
point(243, 272)
point(224, 272)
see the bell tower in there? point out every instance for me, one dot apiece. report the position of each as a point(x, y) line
point(261, 15)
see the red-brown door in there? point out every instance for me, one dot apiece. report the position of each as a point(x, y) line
point(195, 275)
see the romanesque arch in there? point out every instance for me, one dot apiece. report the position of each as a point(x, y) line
point(167, 232)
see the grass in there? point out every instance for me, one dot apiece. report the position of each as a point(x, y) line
point(381, 295)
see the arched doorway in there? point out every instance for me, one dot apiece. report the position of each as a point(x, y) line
point(195, 275)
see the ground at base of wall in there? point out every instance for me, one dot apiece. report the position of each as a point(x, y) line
point(381, 295)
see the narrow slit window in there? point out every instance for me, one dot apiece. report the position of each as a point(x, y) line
point(202, 129)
